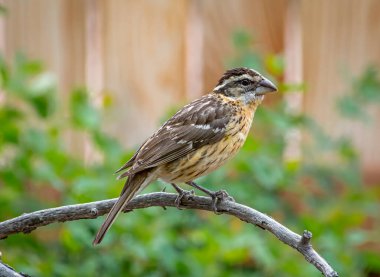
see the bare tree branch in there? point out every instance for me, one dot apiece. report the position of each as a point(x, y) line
point(7, 271)
point(28, 222)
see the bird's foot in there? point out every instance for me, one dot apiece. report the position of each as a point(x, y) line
point(217, 197)
point(182, 194)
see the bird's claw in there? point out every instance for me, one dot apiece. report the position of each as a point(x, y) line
point(219, 196)
point(187, 194)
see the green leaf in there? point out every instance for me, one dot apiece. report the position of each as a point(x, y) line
point(83, 113)
point(42, 94)
point(367, 86)
point(275, 64)
point(351, 108)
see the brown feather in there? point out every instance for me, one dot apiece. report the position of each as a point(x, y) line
point(132, 186)
point(201, 122)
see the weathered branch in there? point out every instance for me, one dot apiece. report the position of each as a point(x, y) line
point(7, 271)
point(28, 222)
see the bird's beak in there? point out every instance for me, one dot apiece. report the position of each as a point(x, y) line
point(264, 87)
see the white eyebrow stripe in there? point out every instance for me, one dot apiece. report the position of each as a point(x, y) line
point(234, 78)
point(244, 76)
point(220, 86)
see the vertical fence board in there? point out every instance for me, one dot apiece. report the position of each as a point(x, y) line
point(144, 67)
point(263, 19)
point(51, 31)
point(341, 37)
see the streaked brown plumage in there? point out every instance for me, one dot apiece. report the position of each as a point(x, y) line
point(198, 139)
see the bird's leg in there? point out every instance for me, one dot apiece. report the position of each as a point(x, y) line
point(216, 196)
point(181, 193)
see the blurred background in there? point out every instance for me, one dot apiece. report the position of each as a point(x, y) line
point(82, 83)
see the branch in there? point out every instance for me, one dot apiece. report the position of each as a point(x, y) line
point(7, 271)
point(29, 222)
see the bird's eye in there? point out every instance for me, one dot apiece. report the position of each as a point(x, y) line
point(245, 82)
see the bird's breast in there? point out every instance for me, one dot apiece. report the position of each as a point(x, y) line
point(210, 157)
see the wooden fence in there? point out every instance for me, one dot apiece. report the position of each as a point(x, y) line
point(152, 54)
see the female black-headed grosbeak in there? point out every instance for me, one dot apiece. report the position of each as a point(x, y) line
point(198, 139)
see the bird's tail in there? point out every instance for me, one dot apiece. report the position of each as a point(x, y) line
point(134, 184)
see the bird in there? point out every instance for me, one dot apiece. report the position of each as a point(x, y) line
point(198, 139)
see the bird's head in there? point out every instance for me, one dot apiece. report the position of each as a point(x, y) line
point(244, 84)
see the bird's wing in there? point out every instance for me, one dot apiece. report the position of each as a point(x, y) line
point(130, 162)
point(201, 122)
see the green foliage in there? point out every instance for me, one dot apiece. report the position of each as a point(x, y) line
point(364, 91)
point(40, 167)
point(83, 114)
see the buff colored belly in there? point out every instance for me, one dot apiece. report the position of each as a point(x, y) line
point(207, 158)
